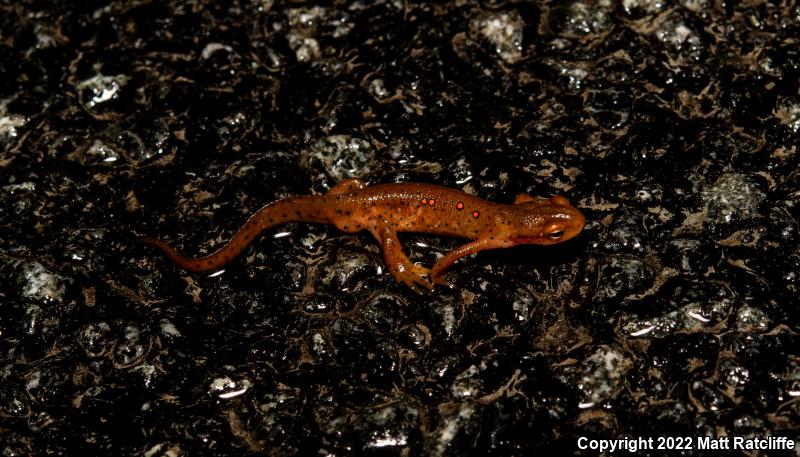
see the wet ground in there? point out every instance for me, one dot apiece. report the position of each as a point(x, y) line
point(672, 125)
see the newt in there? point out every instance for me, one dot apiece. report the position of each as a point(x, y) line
point(386, 209)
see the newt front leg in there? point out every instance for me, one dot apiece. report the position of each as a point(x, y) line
point(401, 268)
point(462, 251)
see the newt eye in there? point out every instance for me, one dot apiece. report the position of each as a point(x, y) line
point(555, 234)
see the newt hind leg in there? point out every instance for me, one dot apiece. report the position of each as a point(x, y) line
point(401, 268)
point(347, 186)
point(523, 198)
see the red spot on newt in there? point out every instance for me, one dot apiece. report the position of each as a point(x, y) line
point(387, 209)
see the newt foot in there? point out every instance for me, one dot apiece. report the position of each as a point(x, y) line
point(414, 277)
point(439, 279)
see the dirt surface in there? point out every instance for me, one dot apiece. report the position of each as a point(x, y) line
point(672, 125)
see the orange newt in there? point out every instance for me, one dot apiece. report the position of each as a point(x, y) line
point(386, 209)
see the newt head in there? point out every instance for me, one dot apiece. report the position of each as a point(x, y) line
point(544, 221)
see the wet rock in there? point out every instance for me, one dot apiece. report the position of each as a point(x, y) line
point(671, 125)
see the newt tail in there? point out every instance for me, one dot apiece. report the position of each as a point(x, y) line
point(294, 209)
